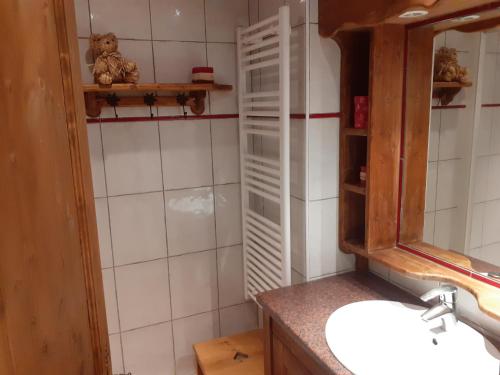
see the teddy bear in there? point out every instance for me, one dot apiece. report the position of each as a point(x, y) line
point(110, 67)
point(446, 68)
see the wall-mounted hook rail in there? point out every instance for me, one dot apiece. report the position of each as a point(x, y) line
point(150, 100)
point(191, 95)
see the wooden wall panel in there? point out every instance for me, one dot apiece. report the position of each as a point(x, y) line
point(387, 65)
point(52, 318)
point(417, 116)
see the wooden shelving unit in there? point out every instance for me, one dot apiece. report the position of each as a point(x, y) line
point(356, 132)
point(368, 212)
point(353, 142)
point(188, 94)
point(356, 187)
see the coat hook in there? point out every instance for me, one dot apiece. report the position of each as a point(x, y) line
point(113, 101)
point(150, 100)
point(182, 100)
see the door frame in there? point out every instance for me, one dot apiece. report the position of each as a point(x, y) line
point(82, 181)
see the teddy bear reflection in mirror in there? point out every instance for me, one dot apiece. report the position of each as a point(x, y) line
point(110, 67)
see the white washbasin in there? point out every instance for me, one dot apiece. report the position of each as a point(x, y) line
point(390, 338)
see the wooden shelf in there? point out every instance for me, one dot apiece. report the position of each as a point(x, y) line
point(445, 92)
point(356, 132)
point(355, 187)
point(149, 87)
point(450, 85)
point(188, 94)
point(356, 246)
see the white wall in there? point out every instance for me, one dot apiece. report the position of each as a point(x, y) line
point(167, 193)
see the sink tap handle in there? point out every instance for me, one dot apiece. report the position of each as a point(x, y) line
point(446, 293)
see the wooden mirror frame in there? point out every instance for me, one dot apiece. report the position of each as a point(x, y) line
point(414, 138)
point(377, 48)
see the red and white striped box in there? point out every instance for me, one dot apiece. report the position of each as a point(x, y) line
point(202, 74)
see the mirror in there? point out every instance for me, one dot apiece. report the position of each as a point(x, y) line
point(451, 157)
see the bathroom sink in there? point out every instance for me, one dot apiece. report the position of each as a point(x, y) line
point(390, 338)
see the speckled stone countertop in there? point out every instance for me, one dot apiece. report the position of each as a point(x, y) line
point(304, 309)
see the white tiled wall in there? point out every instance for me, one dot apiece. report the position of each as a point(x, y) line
point(167, 193)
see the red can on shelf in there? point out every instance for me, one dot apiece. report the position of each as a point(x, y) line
point(361, 112)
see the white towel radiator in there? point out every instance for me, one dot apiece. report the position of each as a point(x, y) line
point(265, 46)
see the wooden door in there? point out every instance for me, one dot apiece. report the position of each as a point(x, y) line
point(52, 318)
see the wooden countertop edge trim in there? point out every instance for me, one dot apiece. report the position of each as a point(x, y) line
point(278, 327)
point(419, 268)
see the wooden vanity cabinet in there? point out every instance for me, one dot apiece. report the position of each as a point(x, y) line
point(283, 355)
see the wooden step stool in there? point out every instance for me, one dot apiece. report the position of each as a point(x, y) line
point(241, 354)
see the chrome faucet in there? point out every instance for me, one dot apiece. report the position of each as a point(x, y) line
point(445, 309)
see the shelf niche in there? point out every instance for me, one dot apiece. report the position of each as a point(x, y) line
point(372, 65)
point(353, 142)
point(188, 94)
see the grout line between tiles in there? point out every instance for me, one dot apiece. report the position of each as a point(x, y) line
point(213, 179)
point(166, 191)
point(184, 317)
point(174, 256)
point(112, 248)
